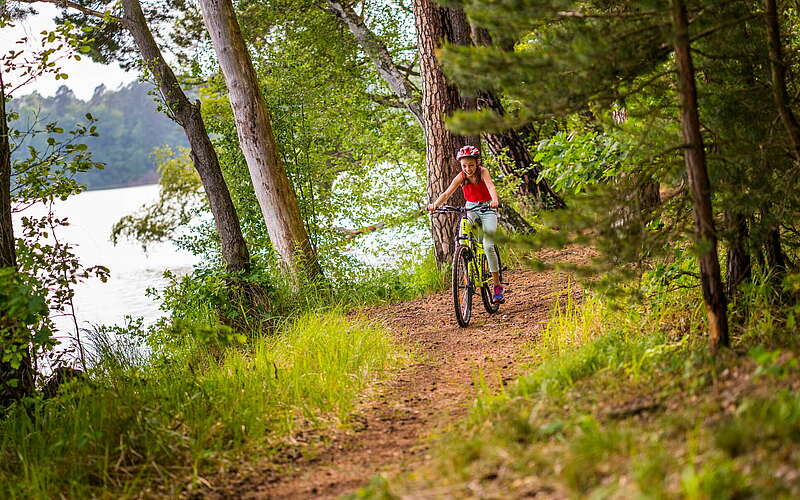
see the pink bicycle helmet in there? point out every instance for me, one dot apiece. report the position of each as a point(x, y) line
point(468, 152)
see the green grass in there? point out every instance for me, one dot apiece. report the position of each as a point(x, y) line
point(772, 420)
point(627, 402)
point(187, 408)
point(214, 387)
point(259, 299)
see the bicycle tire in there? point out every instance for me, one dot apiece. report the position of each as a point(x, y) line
point(462, 287)
point(486, 290)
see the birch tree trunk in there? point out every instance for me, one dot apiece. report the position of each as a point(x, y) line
point(272, 187)
point(694, 157)
point(380, 57)
point(204, 157)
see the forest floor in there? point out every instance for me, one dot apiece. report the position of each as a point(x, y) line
point(392, 428)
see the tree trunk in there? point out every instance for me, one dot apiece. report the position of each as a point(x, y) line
point(694, 157)
point(778, 66)
point(739, 265)
point(513, 157)
point(511, 221)
point(204, 157)
point(22, 375)
point(272, 187)
point(775, 260)
point(458, 32)
point(8, 254)
point(439, 99)
point(648, 194)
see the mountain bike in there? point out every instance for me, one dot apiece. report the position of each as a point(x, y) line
point(470, 267)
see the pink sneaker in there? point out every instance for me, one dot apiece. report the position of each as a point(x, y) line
point(498, 294)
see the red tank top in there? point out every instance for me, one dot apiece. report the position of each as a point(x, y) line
point(476, 192)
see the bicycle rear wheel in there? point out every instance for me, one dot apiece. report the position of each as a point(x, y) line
point(487, 289)
point(462, 286)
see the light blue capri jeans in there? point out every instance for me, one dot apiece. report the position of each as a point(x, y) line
point(488, 222)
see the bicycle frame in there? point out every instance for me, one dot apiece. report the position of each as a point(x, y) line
point(467, 237)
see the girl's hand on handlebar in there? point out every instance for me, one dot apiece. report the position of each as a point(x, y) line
point(431, 207)
point(494, 204)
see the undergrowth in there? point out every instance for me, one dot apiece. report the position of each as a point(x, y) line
point(625, 401)
point(258, 299)
point(240, 364)
point(132, 423)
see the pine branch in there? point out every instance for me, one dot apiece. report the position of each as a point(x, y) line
point(408, 70)
point(350, 233)
point(714, 29)
point(613, 15)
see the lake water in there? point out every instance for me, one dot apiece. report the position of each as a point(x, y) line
point(91, 215)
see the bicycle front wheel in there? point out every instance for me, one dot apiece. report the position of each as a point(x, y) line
point(462, 286)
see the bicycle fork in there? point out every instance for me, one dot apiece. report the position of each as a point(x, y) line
point(474, 251)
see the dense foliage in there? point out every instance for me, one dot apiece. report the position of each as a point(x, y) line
point(609, 71)
point(242, 357)
point(353, 162)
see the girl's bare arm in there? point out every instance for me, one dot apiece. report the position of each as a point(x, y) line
point(447, 192)
point(487, 178)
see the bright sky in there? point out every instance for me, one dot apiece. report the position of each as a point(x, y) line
point(84, 75)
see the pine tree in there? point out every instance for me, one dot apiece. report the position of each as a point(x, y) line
point(576, 59)
point(699, 184)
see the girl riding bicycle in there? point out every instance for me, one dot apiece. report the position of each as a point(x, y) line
point(479, 190)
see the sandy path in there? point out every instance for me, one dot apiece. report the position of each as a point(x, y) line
point(393, 425)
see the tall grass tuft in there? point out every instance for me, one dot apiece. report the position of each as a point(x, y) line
point(584, 338)
point(186, 407)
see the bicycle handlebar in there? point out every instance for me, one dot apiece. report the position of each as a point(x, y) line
point(446, 209)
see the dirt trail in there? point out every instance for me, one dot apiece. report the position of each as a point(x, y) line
point(392, 426)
